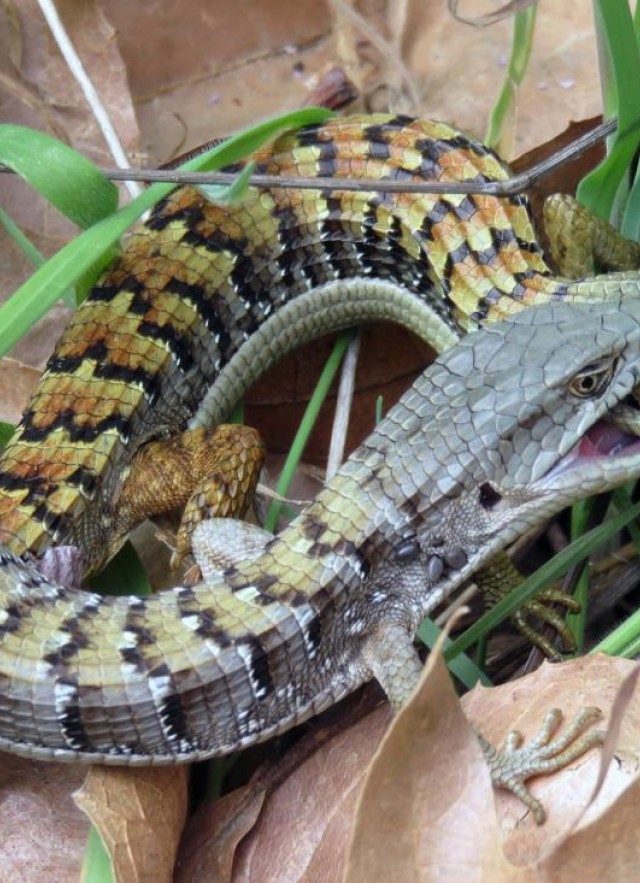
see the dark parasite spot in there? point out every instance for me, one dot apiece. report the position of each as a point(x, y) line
point(435, 568)
point(456, 559)
point(407, 550)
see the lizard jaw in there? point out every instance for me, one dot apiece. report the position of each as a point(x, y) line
point(604, 442)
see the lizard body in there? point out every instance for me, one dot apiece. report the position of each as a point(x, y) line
point(200, 303)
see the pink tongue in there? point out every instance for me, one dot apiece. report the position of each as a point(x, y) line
point(600, 439)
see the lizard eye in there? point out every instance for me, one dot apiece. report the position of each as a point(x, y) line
point(593, 379)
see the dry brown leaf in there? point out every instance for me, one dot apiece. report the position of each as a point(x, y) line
point(212, 836)
point(606, 850)
point(42, 833)
point(295, 815)
point(205, 70)
point(140, 815)
point(426, 809)
point(212, 39)
point(303, 830)
point(17, 381)
point(521, 705)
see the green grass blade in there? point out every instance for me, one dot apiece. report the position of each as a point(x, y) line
point(63, 176)
point(461, 665)
point(6, 431)
point(30, 251)
point(623, 500)
point(616, 30)
point(228, 193)
point(524, 24)
point(379, 409)
point(306, 426)
point(238, 146)
point(630, 226)
point(580, 514)
point(96, 864)
point(624, 640)
point(123, 575)
point(23, 242)
point(577, 622)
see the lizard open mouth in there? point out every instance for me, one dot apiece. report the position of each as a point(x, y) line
point(618, 434)
point(604, 439)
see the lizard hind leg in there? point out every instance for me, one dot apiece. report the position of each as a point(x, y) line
point(206, 473)
point(392, 659)
point(581, 243)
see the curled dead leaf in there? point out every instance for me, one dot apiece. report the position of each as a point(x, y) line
point(213, 834)
point(427, 809)
point(139, 814)
point(292, 823)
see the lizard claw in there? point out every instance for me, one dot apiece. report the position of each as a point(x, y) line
point(542, 607)
point(514, 763)
point(500, 576)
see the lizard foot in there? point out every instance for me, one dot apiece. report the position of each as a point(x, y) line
point(542, 607)
point(514, 763)
point(501, 576)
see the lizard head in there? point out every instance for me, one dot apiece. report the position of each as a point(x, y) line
point(531, 415)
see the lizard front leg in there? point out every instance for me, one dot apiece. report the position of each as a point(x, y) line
point(201, 473)
point(206, 473)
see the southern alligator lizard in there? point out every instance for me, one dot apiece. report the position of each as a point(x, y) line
point(500, 433)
